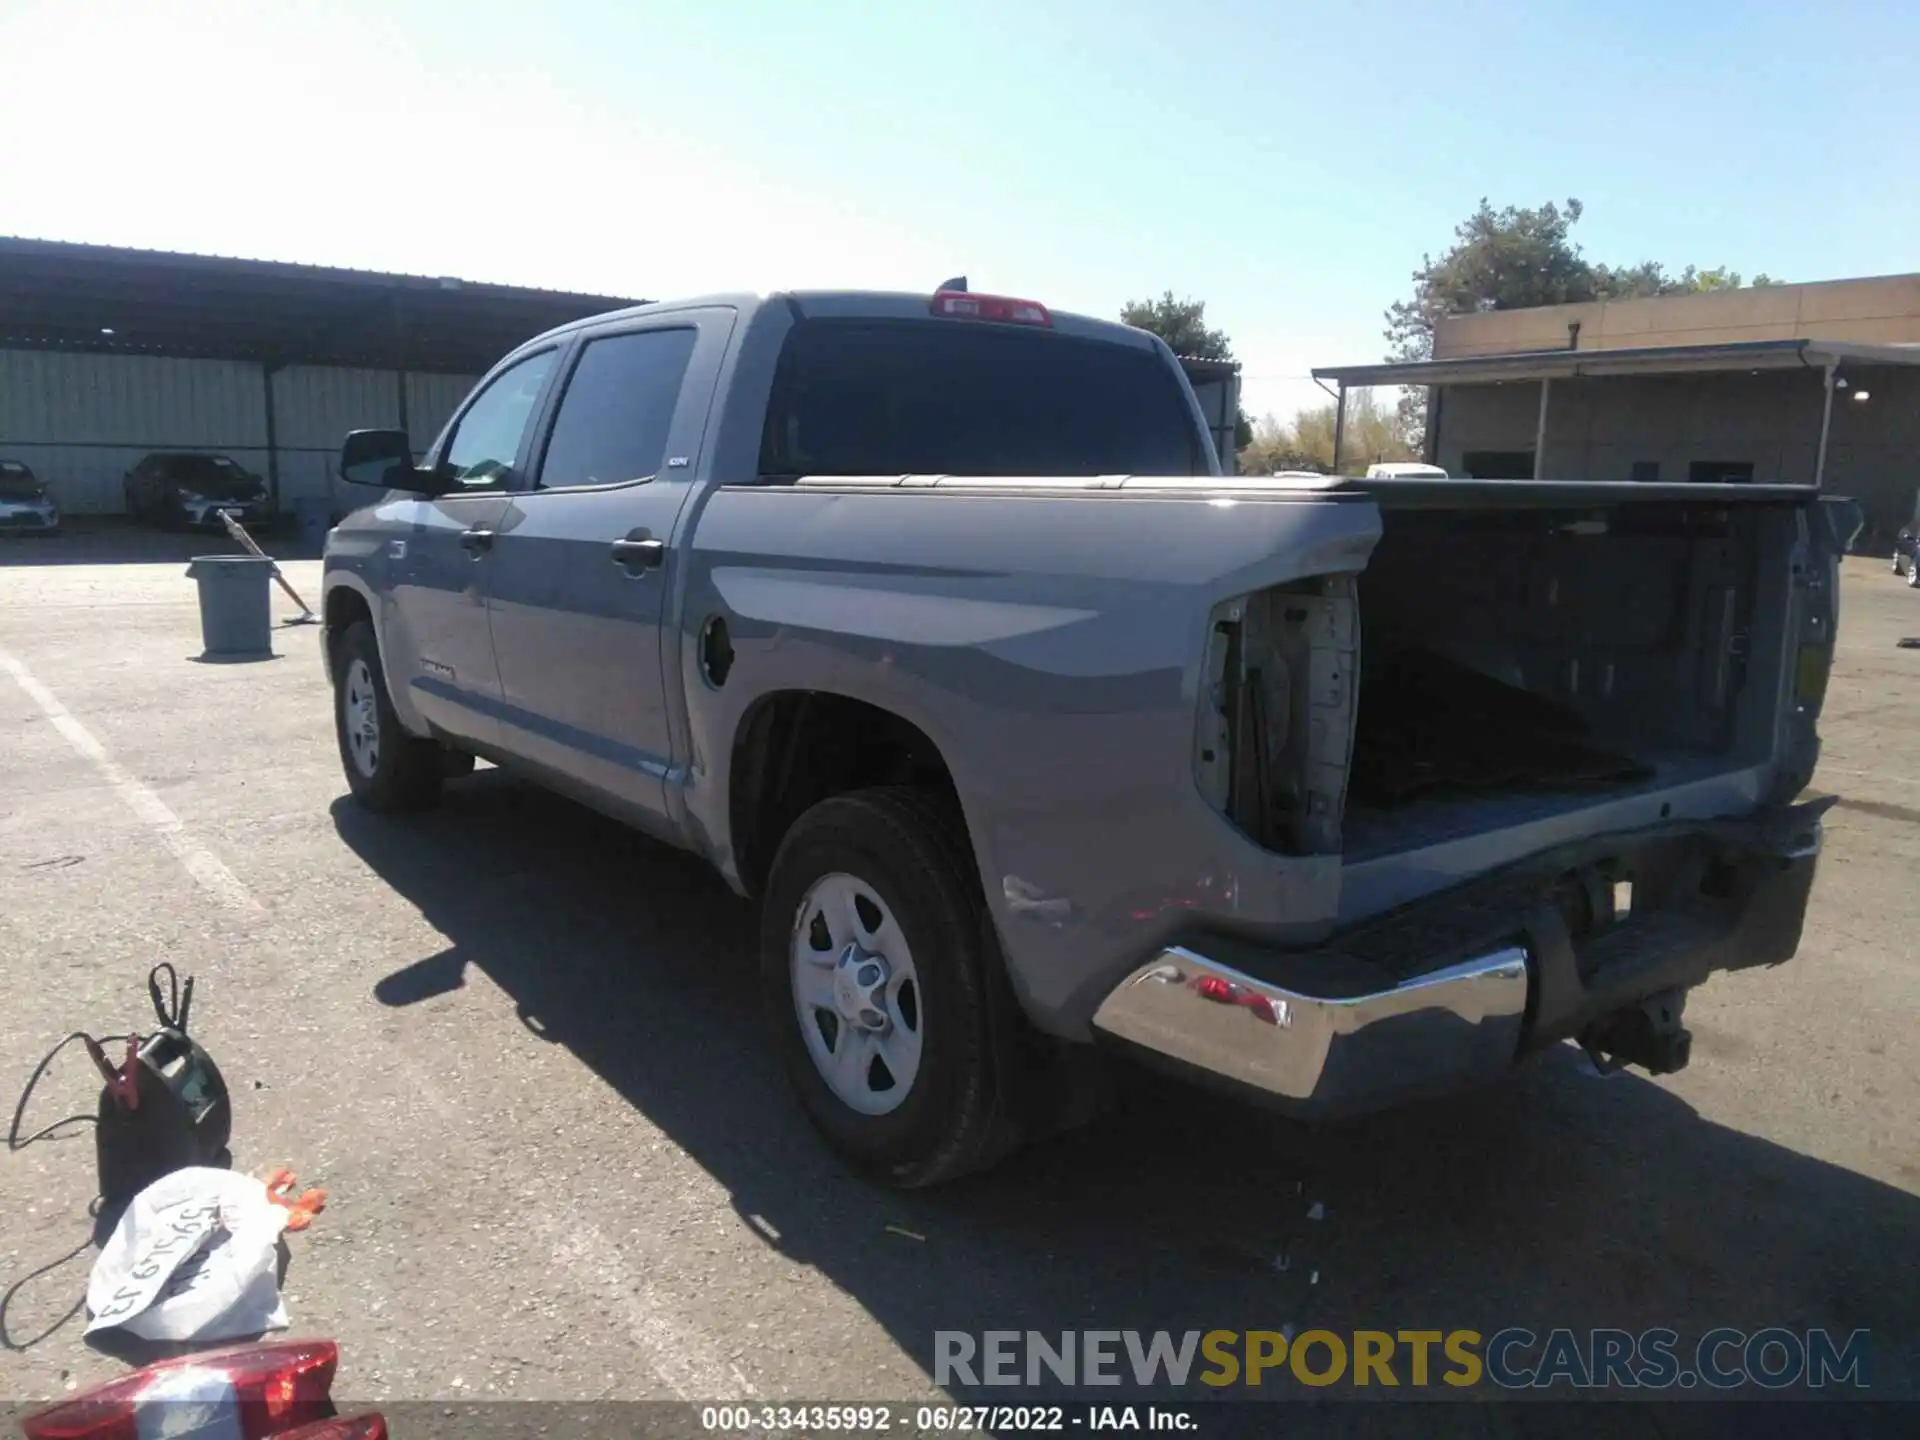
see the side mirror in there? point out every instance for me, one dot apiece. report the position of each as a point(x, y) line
point(383, 458)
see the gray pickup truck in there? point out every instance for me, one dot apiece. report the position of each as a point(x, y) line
point(932, 624)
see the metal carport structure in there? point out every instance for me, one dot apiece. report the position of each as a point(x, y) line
point(1824, 359)
point(266, 316)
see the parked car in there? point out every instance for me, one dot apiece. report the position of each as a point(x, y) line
point(1903, 556)
point(178, 489)
point(1405, 470)
point(25, 506)
point(930, 622)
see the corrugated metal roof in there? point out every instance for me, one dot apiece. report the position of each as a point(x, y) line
point(61, 296)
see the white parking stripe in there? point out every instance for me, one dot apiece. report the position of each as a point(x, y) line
point(202, 864)
point(683, 1358)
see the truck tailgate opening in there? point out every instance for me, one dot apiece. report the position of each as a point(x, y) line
point(1504, 661)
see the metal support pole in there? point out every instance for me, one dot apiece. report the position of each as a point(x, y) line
point(273, 441)
point(1339, 425)
point(1826, 425)
point(1540, 431)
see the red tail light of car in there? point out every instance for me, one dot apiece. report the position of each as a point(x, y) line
point(246, 1393)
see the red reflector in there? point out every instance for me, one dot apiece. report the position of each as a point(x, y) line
point(370, 1426)
point(964, 305)
point(268, 1387)
point(1225, 992)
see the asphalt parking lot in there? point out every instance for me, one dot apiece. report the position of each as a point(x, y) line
point(519, 1047)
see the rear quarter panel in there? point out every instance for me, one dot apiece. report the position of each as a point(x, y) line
point(1050, 645)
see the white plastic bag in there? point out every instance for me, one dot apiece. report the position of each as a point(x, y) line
point(194, 1257)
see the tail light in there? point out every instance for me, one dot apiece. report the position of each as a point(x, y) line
point(964, 305)
point(247, 1393)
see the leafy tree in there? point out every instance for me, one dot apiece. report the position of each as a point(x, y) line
point(1514, 258)
point(1374, 434)
point(1181, 323)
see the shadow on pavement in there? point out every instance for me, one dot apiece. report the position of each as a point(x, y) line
point(1559, 1199)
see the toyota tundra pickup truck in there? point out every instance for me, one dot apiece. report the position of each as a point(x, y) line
point(931, 623)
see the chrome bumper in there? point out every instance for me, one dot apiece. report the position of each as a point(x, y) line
point(1326, 1055)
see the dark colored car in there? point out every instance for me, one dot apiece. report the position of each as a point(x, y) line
point(192, 490)
point(25, 507)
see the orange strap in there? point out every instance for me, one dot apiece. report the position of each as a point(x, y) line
point(310, 1203)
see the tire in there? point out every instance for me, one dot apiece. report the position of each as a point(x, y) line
point(455, 764)
point(1913, 574)
point(395, 771)
point(903, 852)
point(1896, 562)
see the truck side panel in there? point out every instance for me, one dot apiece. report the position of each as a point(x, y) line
point(1050, 646)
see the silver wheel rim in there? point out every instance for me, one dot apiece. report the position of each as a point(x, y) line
point(856, 994)
point(360, 718)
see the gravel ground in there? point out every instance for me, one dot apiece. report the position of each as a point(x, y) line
point(519, 1047)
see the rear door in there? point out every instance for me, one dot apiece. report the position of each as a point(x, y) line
point(435, 641)
point(584, 565)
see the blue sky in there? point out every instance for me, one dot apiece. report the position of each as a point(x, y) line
point(1288, 163)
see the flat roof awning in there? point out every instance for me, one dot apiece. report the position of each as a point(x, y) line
point(58, 296)
point(1655, 360)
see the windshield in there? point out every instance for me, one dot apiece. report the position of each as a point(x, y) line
point(204, 471)
point(864, 397)
point(17, 482)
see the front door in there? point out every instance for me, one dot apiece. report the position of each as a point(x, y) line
point(435, 642)
point(584, 561)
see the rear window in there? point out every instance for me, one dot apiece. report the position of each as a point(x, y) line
point(861, 397)
point(200, 467)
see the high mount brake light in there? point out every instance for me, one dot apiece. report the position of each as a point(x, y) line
point(246, 1393)
point(964, 305)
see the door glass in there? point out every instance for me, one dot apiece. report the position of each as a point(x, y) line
point(617, 409)
point(480, 456)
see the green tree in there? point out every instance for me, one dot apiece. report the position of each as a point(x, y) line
point(1374, 434)
point(1181, 323)
point(1514, 258)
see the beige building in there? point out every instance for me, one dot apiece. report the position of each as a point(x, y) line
point(1797, 384)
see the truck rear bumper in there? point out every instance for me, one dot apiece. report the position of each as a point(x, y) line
point(1456, 989)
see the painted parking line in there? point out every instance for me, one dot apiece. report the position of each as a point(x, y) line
point(206, 869)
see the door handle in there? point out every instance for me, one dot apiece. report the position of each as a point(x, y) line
point(479, 540)
point(636, 553)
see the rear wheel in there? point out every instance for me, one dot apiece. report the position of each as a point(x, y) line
point(1913, 574)
point(387, 769)
point(877, 973)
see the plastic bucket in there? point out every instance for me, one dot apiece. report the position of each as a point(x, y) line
point(235, 616)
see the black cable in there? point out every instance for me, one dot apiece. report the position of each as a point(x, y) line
point(168, 1011)
point(14, 1142)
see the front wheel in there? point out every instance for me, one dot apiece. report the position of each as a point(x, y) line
point(877, 976)
point(387, 769)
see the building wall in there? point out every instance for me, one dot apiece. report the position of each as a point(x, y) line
point(1882, 310)
point(82, 421)
point(1597, 428)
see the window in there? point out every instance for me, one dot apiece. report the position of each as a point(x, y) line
point(1720, 472)
point(1645, 472)
point(487, 436)
point(932, 397)
point(1498, 464)
point(617, 409)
